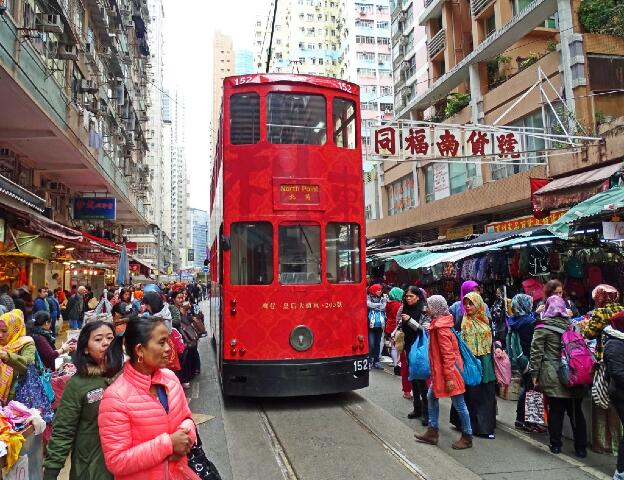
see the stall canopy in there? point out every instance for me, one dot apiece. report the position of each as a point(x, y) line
point(424, 259)
point(606, 202)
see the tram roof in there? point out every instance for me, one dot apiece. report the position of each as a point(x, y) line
point(290, 78)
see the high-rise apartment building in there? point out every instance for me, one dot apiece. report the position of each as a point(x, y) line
point(531, 66)
point(199, 229)
point(307, 38)
point(179, 180)
point(222, 66)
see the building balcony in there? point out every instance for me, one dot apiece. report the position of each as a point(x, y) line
point(436, 44)
point(519, 26)
point(433, 8)
point(477, 6)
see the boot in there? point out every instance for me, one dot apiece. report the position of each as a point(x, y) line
point(464, 442)
point(430, 436)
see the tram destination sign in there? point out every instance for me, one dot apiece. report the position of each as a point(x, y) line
point(300, 194)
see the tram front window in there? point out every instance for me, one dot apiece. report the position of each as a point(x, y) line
point(299, 254)
point(251, 253)
point(296, 119)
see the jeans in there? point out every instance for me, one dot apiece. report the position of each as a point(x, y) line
point(74, 324)
point(458, 403)
point(374, 343)
point(557, 408)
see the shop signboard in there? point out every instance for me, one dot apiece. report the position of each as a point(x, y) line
point(441, 181)
point(95, 208)
point(102, 257)
point(455, 233)
point(613, 230)
point(524, 222)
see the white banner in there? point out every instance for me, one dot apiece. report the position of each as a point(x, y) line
point(613, 230)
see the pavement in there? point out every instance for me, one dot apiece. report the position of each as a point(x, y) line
point(363, 435)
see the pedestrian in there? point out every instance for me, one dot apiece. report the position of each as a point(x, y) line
point(146, 426)
point(605, 424)
point(476, 331)
point(5, 299)
point(17, 351)
point(522, 322)
point(190, 363)
point(55, 310)
point(499, 317)
point(376, 304)
point(395, 298)
point(457, 309)
point(41, 302)
point(155, 306)
point(413, 324)
point(544, 366)
point(446, 381)
point(45, 340)
point(75, 308)
point(613, 336)
point(125, 300)
point(76, 419)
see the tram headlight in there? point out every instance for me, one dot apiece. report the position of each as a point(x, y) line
point(301, 338)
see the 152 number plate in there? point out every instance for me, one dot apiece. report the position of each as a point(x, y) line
point(360, 365)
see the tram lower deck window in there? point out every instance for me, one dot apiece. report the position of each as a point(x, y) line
point(342, 242)
point(244, 119)
point(251, 253)
point(296, 119)
point(299, 254)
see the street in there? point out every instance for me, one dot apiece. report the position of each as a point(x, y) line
point(362, 435)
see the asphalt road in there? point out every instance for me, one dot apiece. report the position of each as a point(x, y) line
point(361, 435)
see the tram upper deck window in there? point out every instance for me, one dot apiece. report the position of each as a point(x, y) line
point(251, 253)
point(344, 123)
point(294, 118)
point(299, 254)
point(244, 119)
point(342, 245)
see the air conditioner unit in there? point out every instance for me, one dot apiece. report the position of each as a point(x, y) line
point(50, 23)
point(88, 86)
point(67, 52)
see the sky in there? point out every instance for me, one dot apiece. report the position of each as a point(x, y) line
point(189, 31)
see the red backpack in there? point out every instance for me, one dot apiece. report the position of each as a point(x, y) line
point(577, 361)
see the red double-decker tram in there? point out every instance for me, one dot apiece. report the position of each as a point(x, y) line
point(288, 304)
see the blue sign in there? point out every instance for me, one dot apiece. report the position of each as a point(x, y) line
point(205, 269)
point(95, 208)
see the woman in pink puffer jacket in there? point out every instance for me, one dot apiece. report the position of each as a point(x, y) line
point(145, 423)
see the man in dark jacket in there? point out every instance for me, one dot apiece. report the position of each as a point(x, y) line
point(41, 302)
point(613, 338)
point(75, 308)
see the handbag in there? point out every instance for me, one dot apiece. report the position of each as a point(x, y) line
point(419, 368)
point(34, 389)
point(473, 370)
point(502, 367)
point(188, 334)
point(198, 325)
point(399, 341)
point(534, 410)
point(200, 464)
point(600, 387)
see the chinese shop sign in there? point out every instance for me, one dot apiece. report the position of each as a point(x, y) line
point(94, 208)
point(524, 222)
point(428, 142)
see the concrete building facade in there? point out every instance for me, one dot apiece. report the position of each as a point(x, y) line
point(223, 61)
point(520, 64)
point(199, 228)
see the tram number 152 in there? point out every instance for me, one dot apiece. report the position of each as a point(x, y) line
point(360, 365)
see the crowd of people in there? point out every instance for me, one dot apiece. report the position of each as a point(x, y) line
point(123, 413)
point(556, 351)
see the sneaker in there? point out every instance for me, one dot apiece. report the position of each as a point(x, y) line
point(407, 395)
point(378, 366)
point(186, 386)
point(555, 450)
point(397, 370)
point(413, 414)
point(581, 452)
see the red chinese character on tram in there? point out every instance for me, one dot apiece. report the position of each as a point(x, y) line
point(385, 139)
point(416, 141)
point(506, 144)
point(478, 140)
point(448, 145)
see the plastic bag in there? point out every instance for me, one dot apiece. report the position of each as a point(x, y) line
point(502, 367)
point(419, 368)
point(473, 370)
point(534, 411)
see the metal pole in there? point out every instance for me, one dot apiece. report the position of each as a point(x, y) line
point(271, 38)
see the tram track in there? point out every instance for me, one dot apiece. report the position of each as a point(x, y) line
point(281, 446)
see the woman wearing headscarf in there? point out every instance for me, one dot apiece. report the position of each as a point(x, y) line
point(613, 338)
point(412, 323)
point(17, 351)
point(376, 303)
point(544, 366)
point(476, 331)
point(395, 296)
point(457, 309)
point(446, 381)
point(522, 322)
point(606, 430)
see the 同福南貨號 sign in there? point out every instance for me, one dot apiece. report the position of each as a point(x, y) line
point(94, 208)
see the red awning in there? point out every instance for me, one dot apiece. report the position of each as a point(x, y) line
point(102, 242)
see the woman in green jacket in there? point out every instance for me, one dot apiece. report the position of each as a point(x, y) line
point(544, 364)
point(76, 420)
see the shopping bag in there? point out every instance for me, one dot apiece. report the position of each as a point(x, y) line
point(502, 367)
point(600, 387)
point(473, 370)
point(418, 360)
point(534, 410)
